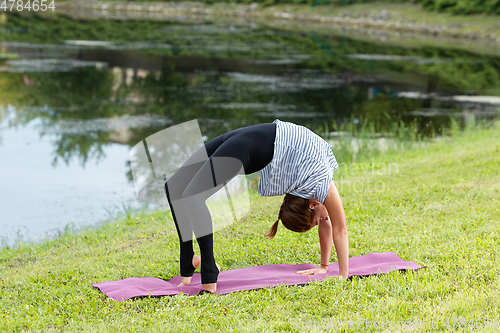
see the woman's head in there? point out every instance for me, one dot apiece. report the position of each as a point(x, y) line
point(295, 214)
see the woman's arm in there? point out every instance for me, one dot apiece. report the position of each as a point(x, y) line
point(339, 230)
point(332, 230)
point(325, 244)
point(325, 241)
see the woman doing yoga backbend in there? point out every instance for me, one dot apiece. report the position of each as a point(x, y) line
point(293, 160)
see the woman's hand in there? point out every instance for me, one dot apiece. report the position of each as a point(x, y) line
point(313, 271)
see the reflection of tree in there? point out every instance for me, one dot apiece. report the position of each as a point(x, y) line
point(378, 113)
point(86, 89)
point(452, 69)
point(461, 72)
point(68, 92)
point(83, 147)
point(82, 94)
point(180, 97)
point(12, 89)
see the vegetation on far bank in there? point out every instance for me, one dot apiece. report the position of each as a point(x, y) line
point(394, 18)
point(435, 204)
point(451, 68)
point(451, 6)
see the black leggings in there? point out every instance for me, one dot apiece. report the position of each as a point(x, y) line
point(250, 148)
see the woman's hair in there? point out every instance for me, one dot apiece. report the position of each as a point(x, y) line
point(295, 215)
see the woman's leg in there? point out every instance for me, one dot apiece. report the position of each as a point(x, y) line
point(174, 188)
point(212, 176)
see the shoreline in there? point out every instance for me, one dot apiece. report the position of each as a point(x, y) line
point(400, 18)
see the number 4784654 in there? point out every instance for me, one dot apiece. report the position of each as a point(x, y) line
point(30, 5)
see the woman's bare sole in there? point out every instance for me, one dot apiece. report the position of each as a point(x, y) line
point(185, 281)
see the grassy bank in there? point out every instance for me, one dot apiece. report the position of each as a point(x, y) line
point(454, 6)
point(436, 205)
point(387, 16)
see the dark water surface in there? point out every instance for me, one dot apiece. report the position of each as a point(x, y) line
point(76, 95)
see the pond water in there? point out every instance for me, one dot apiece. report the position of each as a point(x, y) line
point(76, 95)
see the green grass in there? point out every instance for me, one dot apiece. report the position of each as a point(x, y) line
point(438, 206)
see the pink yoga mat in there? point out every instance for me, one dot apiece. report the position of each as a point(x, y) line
point(252, 277)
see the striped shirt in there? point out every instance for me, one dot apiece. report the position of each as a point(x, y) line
point(302, 165)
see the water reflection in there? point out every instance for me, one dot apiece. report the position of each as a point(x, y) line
point(78, 101)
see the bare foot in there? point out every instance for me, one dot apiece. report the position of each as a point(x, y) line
point(196, 261)
point(212, 287)
point(186, 280)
